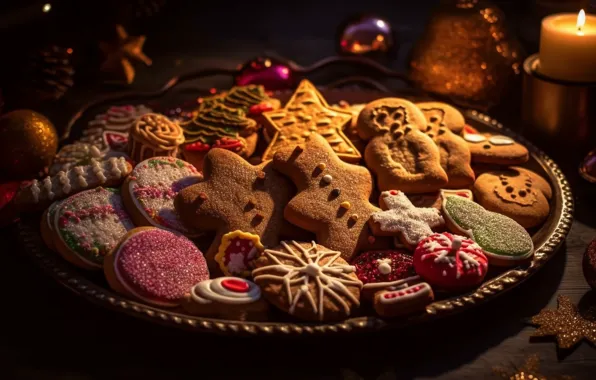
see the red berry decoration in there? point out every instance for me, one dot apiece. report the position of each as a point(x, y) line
point(383, 266)
point(450, 262)
point(589, 264)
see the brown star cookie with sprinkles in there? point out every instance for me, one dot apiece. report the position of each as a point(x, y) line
point(235, 195)
point(332, 199)
point(306, 113)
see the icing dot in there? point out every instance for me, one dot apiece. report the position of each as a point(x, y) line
point(335, 193)
point(501, 140)
point(202, 196)
point(345, 204)
point(261, 175)
point(321, 166)
point(392, 192)
point(327, 179)
point(354, 217)
point(474, 137)
point(235, 285)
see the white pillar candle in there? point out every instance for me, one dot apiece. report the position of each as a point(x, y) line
point(568, 47)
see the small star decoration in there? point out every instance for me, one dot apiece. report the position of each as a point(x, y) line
point(122, 53)
point(529, 371)
point(565, 323)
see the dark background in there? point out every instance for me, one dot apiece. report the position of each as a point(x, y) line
point(46, 332)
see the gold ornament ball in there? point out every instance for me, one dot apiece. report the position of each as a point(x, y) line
point(28, 143)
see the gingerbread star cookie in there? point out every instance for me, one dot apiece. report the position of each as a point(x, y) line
point(333, 196)
point(442, 120)
point(306, 113)
point(398, 152)
point(516, 192)
point(235, 195)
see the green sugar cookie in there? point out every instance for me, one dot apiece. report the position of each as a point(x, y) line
point(505, 242)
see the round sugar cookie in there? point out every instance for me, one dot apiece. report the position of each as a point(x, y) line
point(148, 193)
point(88, 225)
point(155, 265)
point(228, 298)
point(46, 225)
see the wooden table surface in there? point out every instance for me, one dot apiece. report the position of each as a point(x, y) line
point(47, 332)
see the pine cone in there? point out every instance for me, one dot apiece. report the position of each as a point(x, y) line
point(48, 73)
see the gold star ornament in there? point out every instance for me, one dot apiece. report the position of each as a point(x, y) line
point(565, 323)
point(120, 55)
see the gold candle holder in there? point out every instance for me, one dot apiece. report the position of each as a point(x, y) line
point(558, 111)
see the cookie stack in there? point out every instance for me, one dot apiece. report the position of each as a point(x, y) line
point(345, 209)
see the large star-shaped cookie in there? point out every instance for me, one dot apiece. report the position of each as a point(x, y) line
point(235, 195)
point(306, 113)
point(121, 54)
point(333, 196)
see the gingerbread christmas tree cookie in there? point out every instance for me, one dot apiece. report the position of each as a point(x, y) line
point(306, 113)
point(235, 195)
point(333, 196)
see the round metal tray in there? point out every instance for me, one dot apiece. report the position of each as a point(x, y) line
point(93, 287)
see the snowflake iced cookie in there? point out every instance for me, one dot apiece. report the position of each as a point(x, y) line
point(401, 218)
point(236, 252)
point(235, 195)
point(503, 240)
point(227, 298)
point(488, 148)
point(332, 199)
point(38, 195)
point(148, 193)
point(515, 192)
point(380, 270)
point(88, 225)
point(155, 265)
point(403, 301)
point(450, 262)
point(308, 281)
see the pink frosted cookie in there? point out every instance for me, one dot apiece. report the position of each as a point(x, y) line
point(402, 219)
point(88, 225)
point(228, 298)
point(155, 265)
point(149, 192)
point(450, 262)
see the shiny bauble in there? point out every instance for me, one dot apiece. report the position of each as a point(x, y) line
point(269, 72)
point(367, 35)
point(587, 168)
point(468, 54)
point(28, 143)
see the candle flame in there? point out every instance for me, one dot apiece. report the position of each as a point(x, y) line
point(581, 21)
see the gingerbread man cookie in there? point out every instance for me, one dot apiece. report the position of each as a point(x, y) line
point(308, 281)
point(442, 122)
point(401, 218)
point(306, 113)
point(235, 195)
point(516, 192)
point(398, 152)
point(333, 196)
point(488, 148)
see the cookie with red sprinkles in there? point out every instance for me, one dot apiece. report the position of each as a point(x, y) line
point(156, 266)
point(450, 262)
point(386, 269)
point(148, 193)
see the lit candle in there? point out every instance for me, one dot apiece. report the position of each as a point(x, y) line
point(568, 47)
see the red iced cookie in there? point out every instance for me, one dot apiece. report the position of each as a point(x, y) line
point(450, 262)
point(156, 266)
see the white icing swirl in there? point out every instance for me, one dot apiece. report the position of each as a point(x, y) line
point(47, 185)
point(213, 291)
point(98, 170)
point(115, 171)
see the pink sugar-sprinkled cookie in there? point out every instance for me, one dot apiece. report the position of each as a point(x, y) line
point(156, 265)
